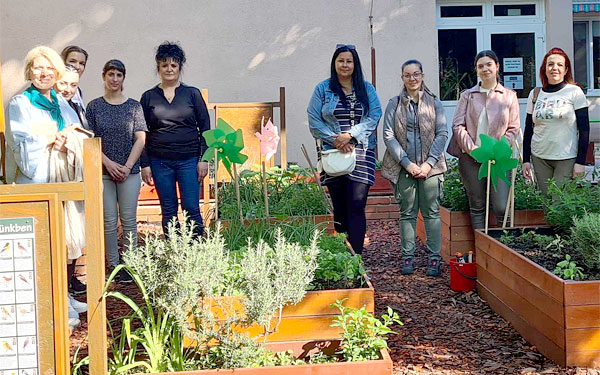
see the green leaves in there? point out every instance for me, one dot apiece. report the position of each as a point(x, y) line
point(499, 153)
point(227, 142)
point(568, 269)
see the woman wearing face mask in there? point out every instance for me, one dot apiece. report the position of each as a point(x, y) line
point(415, 134)
point(120, 122)
point(77, 57)
point(557, 125)
point(343, 113)
point(177, 116)
point(487, 108)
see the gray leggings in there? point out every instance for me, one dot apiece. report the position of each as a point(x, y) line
point(476, 192)
point(125, 195)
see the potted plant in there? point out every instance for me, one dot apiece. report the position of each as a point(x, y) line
point(546, 281)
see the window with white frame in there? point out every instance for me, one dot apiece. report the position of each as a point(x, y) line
point(513, 29)
point(586, 43)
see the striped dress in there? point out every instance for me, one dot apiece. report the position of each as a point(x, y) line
point(348, 115)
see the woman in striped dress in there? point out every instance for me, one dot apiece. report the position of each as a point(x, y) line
point(343, 113)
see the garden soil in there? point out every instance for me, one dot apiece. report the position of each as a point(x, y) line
point(444, 332)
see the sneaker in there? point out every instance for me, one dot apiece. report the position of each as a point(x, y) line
point(74, 323)
point(433, 269)
point(73, 314)
point(408, 268)
point(78, 306)
point(124, 277)
point(76, 286)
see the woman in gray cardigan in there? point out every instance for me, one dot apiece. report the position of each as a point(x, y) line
point(415, 133)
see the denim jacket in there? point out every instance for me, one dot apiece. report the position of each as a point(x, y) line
point(324, 126)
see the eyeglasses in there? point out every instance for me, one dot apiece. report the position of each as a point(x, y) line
point(349, 46)
point(40, 69)
point(415, 75)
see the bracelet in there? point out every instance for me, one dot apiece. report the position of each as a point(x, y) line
point(127, 167)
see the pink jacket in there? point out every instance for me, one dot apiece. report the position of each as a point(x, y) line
point(503, 117)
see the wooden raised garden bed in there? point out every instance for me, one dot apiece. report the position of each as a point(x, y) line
point(560, 317)
point(457, 232)
point(381, 366)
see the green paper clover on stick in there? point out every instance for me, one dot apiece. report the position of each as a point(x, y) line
point(228, 143)
point(500, 153)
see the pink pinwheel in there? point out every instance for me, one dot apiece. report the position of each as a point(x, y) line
point(269, 138)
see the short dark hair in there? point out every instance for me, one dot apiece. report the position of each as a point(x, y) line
point(410, 62)
point(113, 64)
point(358, 81)
point(492, 55)
point(68, 49)
point(170, 50)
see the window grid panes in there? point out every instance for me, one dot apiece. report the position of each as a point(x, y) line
point(596, 53)
point(580, 64)
point(515, 10)
point(461, 11)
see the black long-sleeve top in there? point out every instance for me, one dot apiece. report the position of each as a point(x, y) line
point(583, 127)
point(174, 129)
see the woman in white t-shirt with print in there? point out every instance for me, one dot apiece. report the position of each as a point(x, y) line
point(557, 125)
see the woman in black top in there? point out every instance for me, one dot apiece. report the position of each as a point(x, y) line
point(176, 116)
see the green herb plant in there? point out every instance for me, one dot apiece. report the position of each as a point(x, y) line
point(363, 334)
point(572, 198)
point(585, 235)
point(568, 269)
point(337, 267)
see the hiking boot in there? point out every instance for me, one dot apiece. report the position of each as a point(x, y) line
point(408, 267)
point(433, 268)
point(76, 286)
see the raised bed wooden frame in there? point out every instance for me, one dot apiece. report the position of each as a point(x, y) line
point(381, 366)
point(457, 232)
point(560, 317)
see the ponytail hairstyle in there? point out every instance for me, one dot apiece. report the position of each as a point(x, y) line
point(418, 63)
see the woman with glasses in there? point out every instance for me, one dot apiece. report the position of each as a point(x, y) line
point(415, 133)
point(487, 108)
point(39, 120)
point(343, 114)
point(557, 126)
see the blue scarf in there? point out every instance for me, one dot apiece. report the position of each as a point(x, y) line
point(40, 101)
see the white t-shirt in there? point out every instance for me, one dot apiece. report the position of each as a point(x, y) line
point(482, 122)
point(555, 134)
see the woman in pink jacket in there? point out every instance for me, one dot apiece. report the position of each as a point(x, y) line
point(487, 108)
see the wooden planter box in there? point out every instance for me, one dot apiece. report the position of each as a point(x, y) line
point(561, 318)
point(328, 219)
point(457, 232)
point(312, 317)
point(381, 366)
point(382, 185)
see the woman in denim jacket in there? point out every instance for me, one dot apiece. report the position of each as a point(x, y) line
point(487, 108)
point(343, 113)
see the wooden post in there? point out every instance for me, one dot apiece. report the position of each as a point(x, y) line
point(487, 198)
point(282, 136)
point(2, 135)
point(237, 191)
point(94, 232)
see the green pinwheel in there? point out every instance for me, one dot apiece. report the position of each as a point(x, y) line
point(227, 142)
point(500, 155)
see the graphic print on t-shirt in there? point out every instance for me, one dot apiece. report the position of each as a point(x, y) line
point(548, 109)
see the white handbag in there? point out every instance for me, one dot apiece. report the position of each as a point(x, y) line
point(335, 163)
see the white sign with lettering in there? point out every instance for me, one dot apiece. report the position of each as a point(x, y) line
point(514, 82)
point(513, 64)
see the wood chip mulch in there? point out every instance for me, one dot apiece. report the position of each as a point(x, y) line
point(444, 332)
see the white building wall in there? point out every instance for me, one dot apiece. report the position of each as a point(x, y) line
point(241, 50)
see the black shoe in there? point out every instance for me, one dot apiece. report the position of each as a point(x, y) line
point(433, 269)
point(123, 277)
point(76, 286)
point(408, 268)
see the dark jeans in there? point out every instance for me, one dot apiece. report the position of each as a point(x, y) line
point(476, 192)
point(166, 173)
point(349, 200)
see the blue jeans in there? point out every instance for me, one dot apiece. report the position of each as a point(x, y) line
point(166, 173)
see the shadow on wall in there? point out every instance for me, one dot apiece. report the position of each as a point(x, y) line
point(13, 81)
